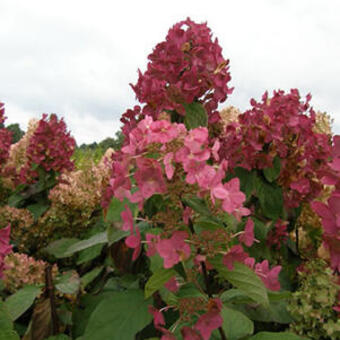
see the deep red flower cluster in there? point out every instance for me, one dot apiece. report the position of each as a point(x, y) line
point(188, 66)
point(51, 146)
point(5, 247)
point(5, 138)
point(282, 126)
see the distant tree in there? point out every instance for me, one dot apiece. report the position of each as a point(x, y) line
point(17, 133)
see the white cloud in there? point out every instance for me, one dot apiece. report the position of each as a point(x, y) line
point(78, 57)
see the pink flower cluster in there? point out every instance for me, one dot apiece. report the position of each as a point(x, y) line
point(282, 126)
point(5, 138)
point(268, 276)
point(330, 217)
point(330, 212)
point(205, 325)
point(5, 247)
point(184, 151)
point(188, 66)
point(51, 146)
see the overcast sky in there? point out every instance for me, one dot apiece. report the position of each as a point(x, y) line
point(77, 58)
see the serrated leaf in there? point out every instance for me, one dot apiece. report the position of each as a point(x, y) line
point(243, 278)
point(271, 174)
point(6, 325)
point(68, 283)
point(37, 209)
point(59, 337)
point(197, 204)
point(235, 324)
point(189, 290)
point(120, 316)
point(100, 238)
point(157, 280)
point(90, 276)
point(195, 116)
point(247, 180)
point(19, 302)
point(271, 199)
point(276, 312)
point(58, 248)
point(89, 254)
point(114, 235)
point(275, 336)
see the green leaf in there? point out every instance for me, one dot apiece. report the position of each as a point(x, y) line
point(68, 283)
point(6, 325)
point(206, 223)
point(90, 276)
point(157, 280)
point(18, 303)
point(120, 316)
point(59, 337)
point(84, 244)
point(271, 199)
point(195, 116)
point(275, 336)
point(197, 204)
point(89, 254)
point(235, 324)
point(58, 248)
point(276, 312)
point(243, 278)
point(273, 173)
point(247, 180)
point(38, 209)
point(234, 295)
point(114, 234)
point(189, 290)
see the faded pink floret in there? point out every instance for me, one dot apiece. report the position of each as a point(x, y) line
point(172, 285)
point(158, 318)
point(149, 177)
point(190, 334)
point(162, 131)
point(127, 219)
point(268, 276)
point(134, 242)
point(302, 186)
point(230, 194)
point(278, 234)
point(175, 249)
point(330, 217)
point(211, 320)
point(248, 235)
point(235, 254)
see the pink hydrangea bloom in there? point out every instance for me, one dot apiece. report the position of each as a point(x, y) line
point(330, 217)
point(190, 334)
point(127, 219)
point(149, 177)
point(211, 320)
point(248, 235)
point(230, 194)
point(174, 249)
point(235, 254)
point(172, 284)
point(268, 276)
point(134, 242)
